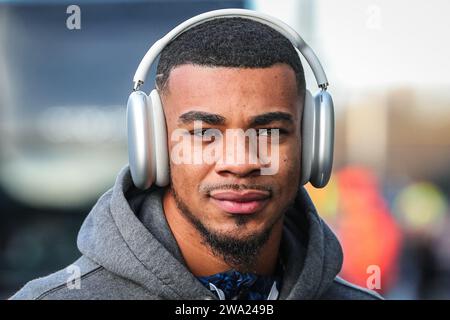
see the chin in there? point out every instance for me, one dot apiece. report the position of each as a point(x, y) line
point(238, 229)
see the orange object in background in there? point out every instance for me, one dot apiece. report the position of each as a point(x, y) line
point(368, 233)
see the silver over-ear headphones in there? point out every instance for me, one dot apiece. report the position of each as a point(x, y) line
point(146, 125)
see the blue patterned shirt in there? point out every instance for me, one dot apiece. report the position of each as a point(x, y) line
point(235, 285)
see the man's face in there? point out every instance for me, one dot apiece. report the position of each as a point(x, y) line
point(235, 98)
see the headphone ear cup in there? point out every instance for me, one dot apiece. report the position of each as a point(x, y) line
point(307, 139)
point(140, 136)
point(160, 151)
point(323, 142)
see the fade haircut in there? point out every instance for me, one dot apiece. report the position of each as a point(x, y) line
point(229, 42)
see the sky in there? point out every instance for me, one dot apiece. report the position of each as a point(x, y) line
point(373, 43)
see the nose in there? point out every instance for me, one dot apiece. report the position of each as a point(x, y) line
point(238, 169)
point(239, 161)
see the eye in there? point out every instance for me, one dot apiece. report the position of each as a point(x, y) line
point(264, 132)
point(198, 133)
point(269, 131)
point(203, 133)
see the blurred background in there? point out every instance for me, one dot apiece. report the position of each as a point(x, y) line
point(63, 99)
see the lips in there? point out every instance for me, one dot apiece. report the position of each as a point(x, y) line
point(246, 202)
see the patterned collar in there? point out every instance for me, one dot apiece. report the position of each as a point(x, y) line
point(235, 285)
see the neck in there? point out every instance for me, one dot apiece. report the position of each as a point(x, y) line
point(199, 257)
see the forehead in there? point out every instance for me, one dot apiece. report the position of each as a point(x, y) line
point(234, 93)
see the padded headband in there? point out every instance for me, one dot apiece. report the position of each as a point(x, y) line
point(299, 44)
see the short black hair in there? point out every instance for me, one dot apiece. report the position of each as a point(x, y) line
point(230, 42)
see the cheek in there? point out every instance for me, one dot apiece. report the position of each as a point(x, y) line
point(290, 158)
point(186, 179)
point(289, 170)
point(181, 176)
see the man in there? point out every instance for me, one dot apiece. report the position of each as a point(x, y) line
point(220, 230)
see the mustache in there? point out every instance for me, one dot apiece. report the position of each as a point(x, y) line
point(208, 188)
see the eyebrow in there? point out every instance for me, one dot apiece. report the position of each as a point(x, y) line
point(209, 118)
point(216, 119)
point(269, 117)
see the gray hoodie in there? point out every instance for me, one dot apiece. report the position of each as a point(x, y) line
point(129, 252)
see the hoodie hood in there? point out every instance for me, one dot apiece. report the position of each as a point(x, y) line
point(127, 234)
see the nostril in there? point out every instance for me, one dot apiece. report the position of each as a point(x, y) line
point(240, 172)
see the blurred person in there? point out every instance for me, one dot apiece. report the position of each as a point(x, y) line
point(422, 211)
point(441, 253)
point(364, 212)
point(220, 230)
point(354, 207)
